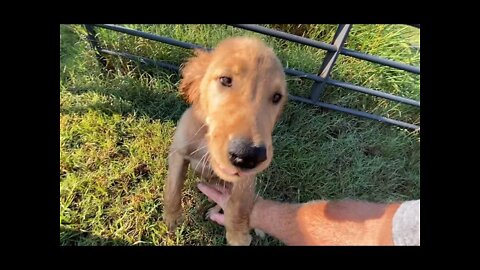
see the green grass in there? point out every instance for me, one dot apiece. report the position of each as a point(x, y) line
point(115, 130)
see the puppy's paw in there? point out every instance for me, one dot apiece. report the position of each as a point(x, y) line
point(259, 233)
point(214, 210)
point(239, 239)
point(172, 220)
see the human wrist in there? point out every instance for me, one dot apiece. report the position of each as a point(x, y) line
point(257, 213)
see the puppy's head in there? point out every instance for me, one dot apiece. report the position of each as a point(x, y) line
point(239, 90)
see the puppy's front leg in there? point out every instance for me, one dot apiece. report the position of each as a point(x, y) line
point(237, 212)
point(177, 169)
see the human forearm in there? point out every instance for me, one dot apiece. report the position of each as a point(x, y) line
point(325, 223)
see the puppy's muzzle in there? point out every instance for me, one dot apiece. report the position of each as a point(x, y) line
point(246, 155)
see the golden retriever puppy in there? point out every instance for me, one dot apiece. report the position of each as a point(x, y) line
point(236, 92)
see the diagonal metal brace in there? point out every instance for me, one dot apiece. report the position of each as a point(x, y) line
point(329, 60)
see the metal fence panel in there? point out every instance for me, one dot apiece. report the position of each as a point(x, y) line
point(320, 80)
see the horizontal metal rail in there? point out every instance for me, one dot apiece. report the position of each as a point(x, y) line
point(137, 33)
point(379, 60)
point(356, 113)
point(287, 36)
point(142, 60)
point(313, 77)
point(328, 47)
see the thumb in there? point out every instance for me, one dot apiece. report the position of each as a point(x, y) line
point(212, 193)
point(218, 218)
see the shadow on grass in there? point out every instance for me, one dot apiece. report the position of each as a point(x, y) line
point(130, 98)
point(69, 237)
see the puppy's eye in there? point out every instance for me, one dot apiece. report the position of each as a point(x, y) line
point(226, 81)
point(276, 98)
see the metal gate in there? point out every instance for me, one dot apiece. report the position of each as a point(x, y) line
point(334, 49)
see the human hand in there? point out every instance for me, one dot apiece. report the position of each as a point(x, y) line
point(218, 194)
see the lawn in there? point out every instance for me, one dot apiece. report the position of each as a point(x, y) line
point(116, 128)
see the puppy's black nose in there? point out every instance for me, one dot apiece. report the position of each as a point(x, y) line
point(244, 154)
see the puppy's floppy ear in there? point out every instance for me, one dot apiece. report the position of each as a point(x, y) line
point(192, 74)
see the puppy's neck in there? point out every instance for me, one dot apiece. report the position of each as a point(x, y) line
point(199, 115)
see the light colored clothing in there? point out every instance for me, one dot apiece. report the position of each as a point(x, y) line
point(406, 224)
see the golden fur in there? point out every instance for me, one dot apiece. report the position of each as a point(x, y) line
point(216, 116)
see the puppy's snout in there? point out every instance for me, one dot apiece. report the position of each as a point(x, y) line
point(244, 154)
